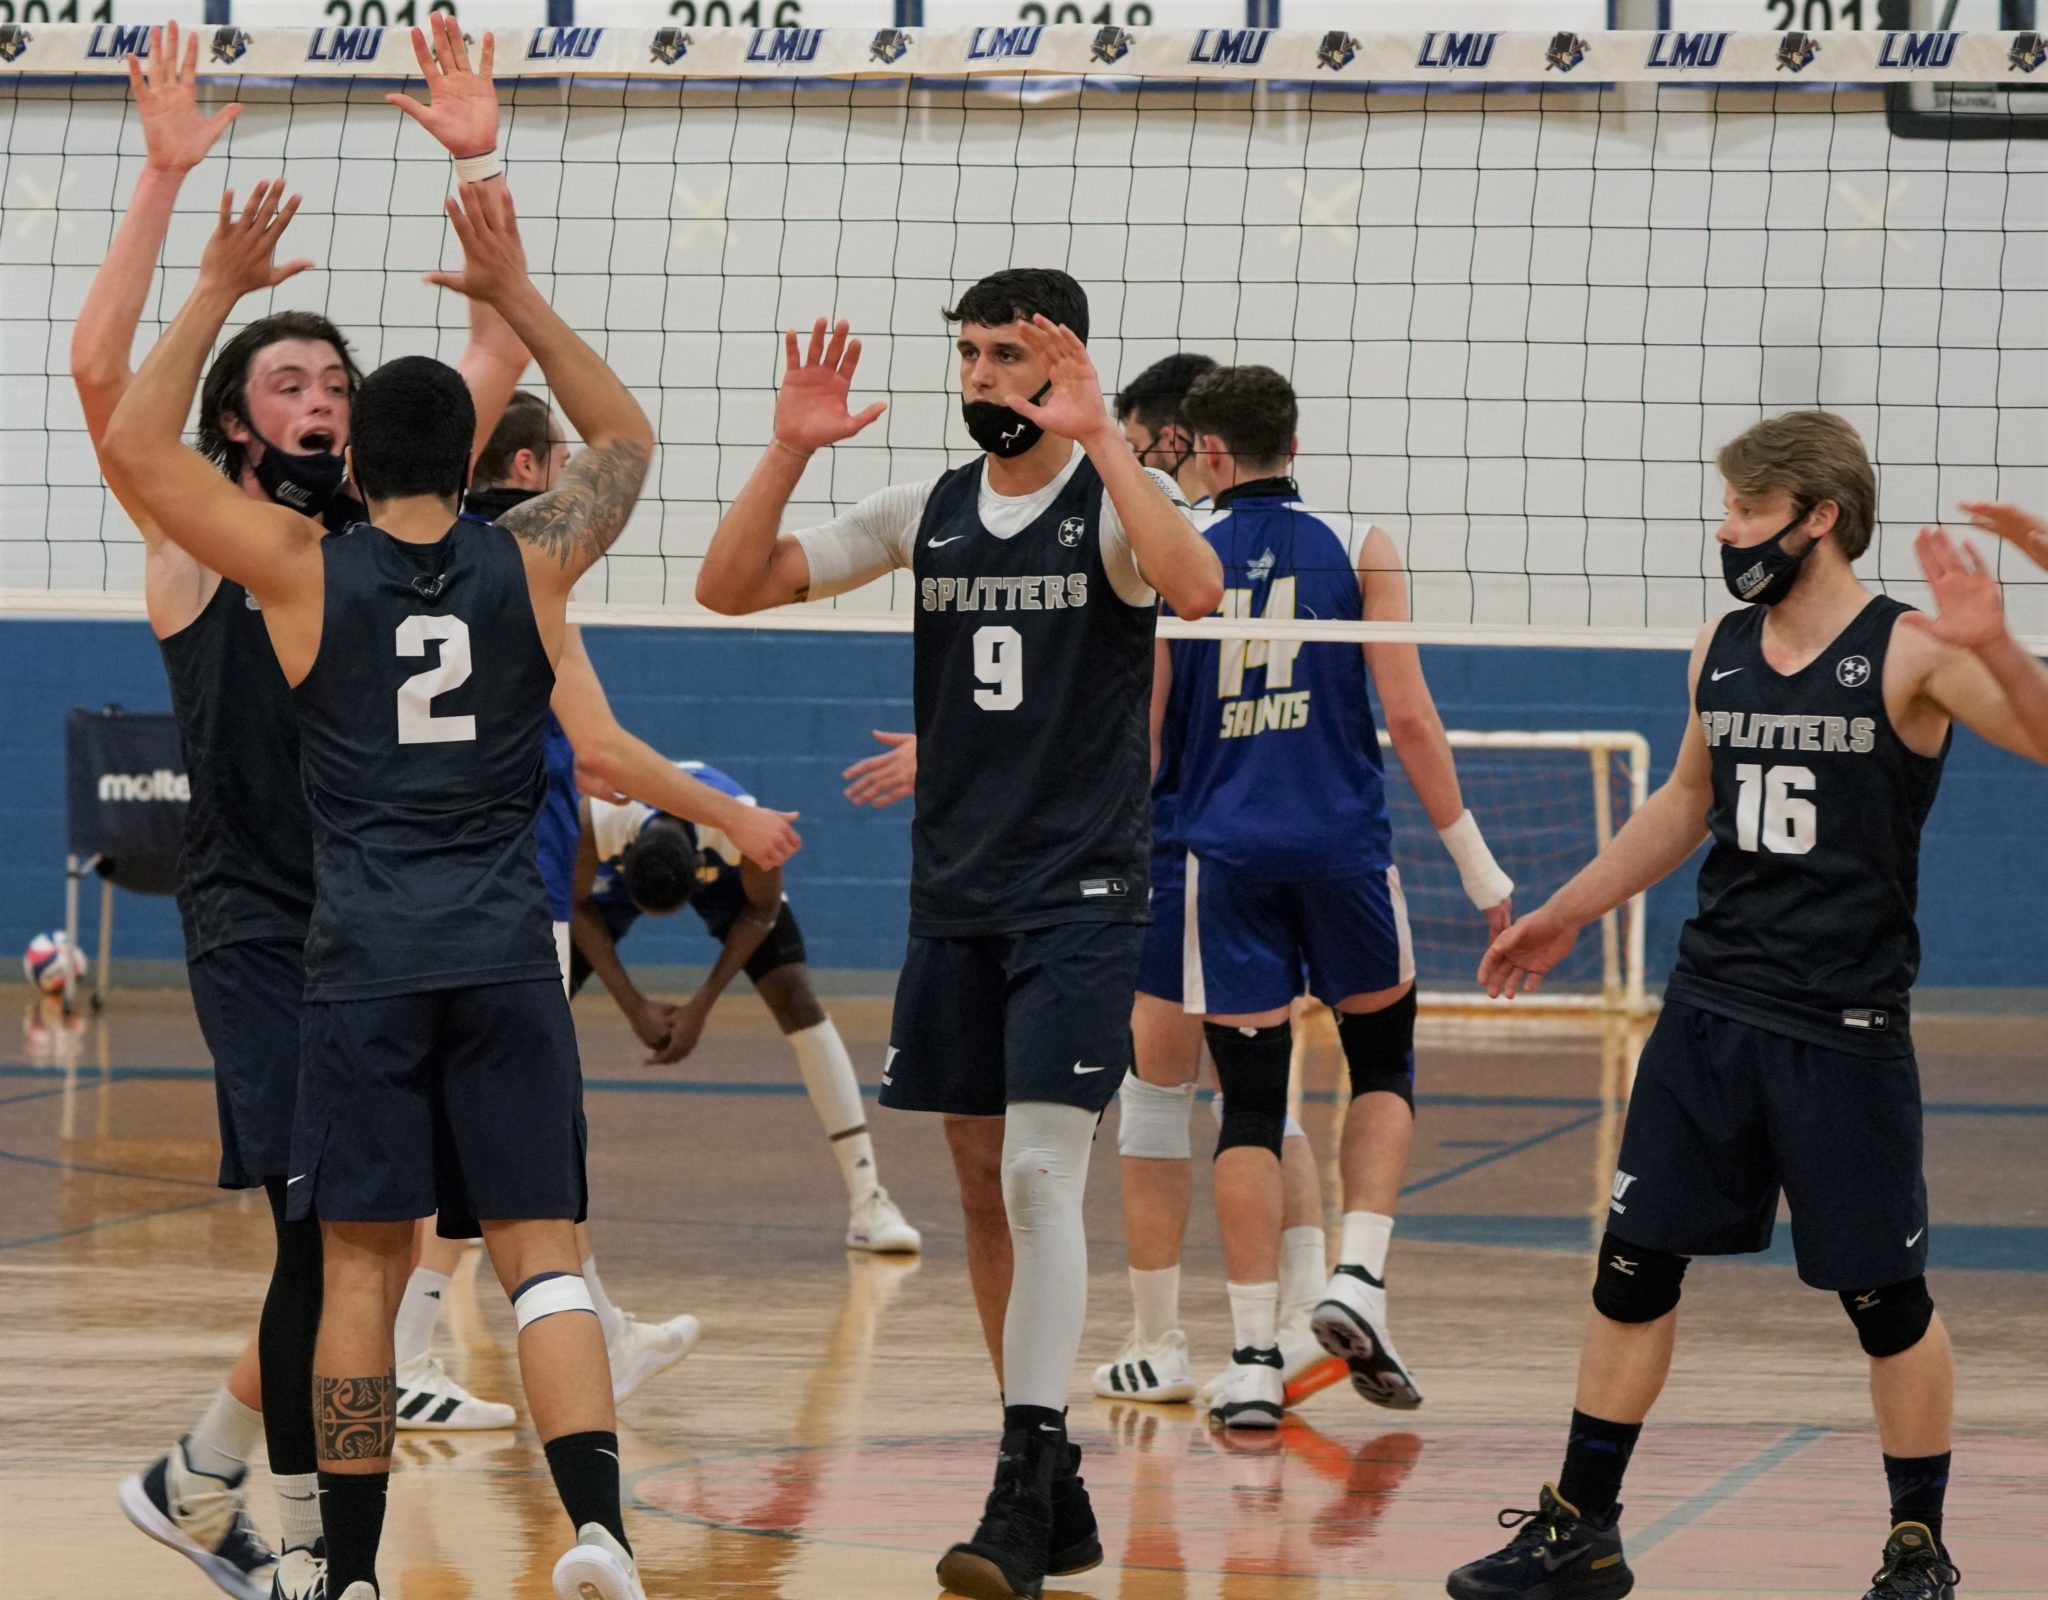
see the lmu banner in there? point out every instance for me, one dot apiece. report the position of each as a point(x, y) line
point(127, 792)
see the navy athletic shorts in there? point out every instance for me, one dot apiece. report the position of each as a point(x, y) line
point(784, 946)
point(1163, 955)
point(1040, 1015)
point(467, 1102)
point(249, 997)
point(1725, 1114)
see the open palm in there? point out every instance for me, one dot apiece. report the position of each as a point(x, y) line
point(1969, 611)
point(241, 254)
point(1518, 959)
point(811, 411)
point(174, 131)
point(2021, 529)
point(1073, 405)
point(462, 104)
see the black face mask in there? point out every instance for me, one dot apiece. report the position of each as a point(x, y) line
point(999, 430)
point(303, 483)
point(1763, 574)
point(491, 504)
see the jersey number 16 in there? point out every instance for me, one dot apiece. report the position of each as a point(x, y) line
point(1768, 812)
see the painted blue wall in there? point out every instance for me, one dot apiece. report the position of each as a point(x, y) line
point(786, 712)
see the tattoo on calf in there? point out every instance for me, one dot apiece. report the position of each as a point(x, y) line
point(357, 1417)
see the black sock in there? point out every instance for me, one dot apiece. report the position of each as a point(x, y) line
point(352, 1518)
point(1034, 1419)
point(1595, 1457)
point(586, 1469)
point(284, 1342)
point(1918, 1484)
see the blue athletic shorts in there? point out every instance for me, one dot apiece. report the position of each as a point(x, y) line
point(1254, 946)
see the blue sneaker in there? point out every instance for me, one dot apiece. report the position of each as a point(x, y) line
point(1914, 1568)
point(202, 1518)
point(1556, 1554)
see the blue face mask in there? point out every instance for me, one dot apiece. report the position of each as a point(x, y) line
point(303, 483)
point(1763, 574)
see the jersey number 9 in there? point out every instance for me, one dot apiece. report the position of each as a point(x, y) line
point(999, 664)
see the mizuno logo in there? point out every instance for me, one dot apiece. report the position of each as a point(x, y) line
point(1868, 1302)
point(1082, 1072)
point(949, 539)
point(1729, 673)
point(1624, 1266)
point(889, 1062)
point(1915, 1239)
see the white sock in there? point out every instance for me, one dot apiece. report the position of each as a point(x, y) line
point(1302, 1270)
point(609, 1317)
point(1045, 1182)
point(298, 1499)
point(1254, 1315)
point(1365, 1242)
point(419, 1314)
point(835, 1096)
point(224, 1438)
point(1156, 1298)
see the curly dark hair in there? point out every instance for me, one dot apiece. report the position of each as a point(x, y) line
point(1251, 409)
point(1016, 293)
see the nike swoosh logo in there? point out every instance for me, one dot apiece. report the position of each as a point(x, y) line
point(1718, 676)
point(1082, 1072)
point(949, 539)
point(290, 1181)
point(1915, 1239)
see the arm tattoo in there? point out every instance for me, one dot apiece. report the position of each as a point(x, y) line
point(578, 519)
point(357, 1417)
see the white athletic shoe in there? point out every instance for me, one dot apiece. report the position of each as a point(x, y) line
point(596, 1568)
point(1252, 1393)
point(430, 1401)
point(359, 1591)
point(301, 1574)
point(877, 1225)
point(1351, 1323)
point(644, 1348)
point(1157, 1373)
point(202, 1518)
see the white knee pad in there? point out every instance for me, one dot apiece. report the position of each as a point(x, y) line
point(1293, 1130)
point(1154, 1121)
point(547, 1294)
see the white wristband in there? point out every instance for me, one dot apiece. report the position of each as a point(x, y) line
point(1485, 884)
point(475, 169)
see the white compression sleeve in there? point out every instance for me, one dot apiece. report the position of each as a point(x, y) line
point(1045, 1181)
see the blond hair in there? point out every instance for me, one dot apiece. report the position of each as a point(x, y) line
point(1812, 456)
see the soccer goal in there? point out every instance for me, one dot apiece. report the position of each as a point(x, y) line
point(1549, 802)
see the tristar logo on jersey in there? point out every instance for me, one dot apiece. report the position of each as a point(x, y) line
point(1687, 49)
point(1456, 49)
point(2027, 53)
point(1761, 730)
point(1230, 47)
point(1111, 46)
point(229, 45)
point(1908, 51)
point(670, 45)
point(1071, 531)
point(162, 784)
point(785, 44)
point(1796, 51)
point(1566, 51)
point(14, 41)
point(1337, 50)
point(345, 44)
point(112, 43)
point(889, 46)
point(563, 44)
point(1260, 568)
point(1852, 672)
point(1059, 591)
point(1004, 44)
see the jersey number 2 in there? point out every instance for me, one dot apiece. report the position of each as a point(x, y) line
point(999, 665)
point(417, 723)
point(1767, 812)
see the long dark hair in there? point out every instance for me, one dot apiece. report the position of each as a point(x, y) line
point(226, 389)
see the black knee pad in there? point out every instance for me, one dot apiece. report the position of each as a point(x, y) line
point(1891, 1320)
point(1379, 1048)
point(1636, 1285)
point(1251, 1070)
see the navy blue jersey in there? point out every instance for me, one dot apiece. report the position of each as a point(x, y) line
point(556, 832)
point(1806, 900)
point(245, 865)
point(421, 724)
point(1280, 774)
point(1031, 690)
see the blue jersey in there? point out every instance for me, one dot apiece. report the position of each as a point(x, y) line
point(556, 830)
point(613, 827)
point(1280, 775)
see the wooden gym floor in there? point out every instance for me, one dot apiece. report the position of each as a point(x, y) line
point(834, 1430)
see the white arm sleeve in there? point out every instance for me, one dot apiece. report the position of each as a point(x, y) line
point(613, 827)
point(860, 545)
point(1118, 557)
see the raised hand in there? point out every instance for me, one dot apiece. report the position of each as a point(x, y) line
point(238, 258)
point(174, 132)
point(1073, 407)
point(1969, 610)
point(462, 105)
point(2022, 529)
point(882, 780)
point(1517, 960)
point(811, 410)
point(765, 837)
point(493, 255)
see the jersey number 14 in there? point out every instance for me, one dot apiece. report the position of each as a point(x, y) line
point(417, 723)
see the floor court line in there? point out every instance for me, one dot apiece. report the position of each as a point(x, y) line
point(1725, 1487)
